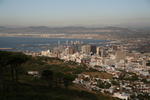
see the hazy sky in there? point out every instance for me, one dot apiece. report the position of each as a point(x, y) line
point(74, 12)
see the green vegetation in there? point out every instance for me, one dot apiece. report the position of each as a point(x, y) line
point(142, 96)
point(128, 76)
point(104, 85)
point(115, 82)
point(102, 75)
point(53, 82)
point(148, 63)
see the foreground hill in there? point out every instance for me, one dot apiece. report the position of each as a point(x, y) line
point(52, 82)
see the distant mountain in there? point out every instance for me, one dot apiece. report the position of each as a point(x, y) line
point(71, 30)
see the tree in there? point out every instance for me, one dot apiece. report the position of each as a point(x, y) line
point(15, 60)
point(48, 76)
point(3, 67)
point(148, 63)
point(104, 84)
point(12, 59)
point(7, 59)
point(68, 80)
point(59, 78)
point(115, 82)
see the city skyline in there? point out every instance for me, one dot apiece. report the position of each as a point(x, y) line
point(75, 13)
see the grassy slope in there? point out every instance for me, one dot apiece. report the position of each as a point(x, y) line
point(30, 88)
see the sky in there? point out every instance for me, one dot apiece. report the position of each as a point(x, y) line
point(74, 12)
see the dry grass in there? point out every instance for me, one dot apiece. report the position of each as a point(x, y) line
point(102, 75)
point(56, 62)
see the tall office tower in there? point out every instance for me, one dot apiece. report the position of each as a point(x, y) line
point(100, 51)
point(88, 49)
point(93, 49)
point(70, 50)
point(58, 43)
point(76, 47)
point(115, 47)
point(67, 42)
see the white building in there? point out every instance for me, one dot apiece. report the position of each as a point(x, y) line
point(122, 96)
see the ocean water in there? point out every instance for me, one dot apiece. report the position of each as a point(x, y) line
point(38, 44)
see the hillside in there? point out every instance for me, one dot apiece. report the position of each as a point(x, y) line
point(52, 82)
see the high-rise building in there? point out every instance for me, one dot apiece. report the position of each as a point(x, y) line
point(115, 47)
point(100, 51)
point(70, 50)
point(88, 49)
point(93, 49)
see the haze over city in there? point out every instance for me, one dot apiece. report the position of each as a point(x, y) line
point(135, 13)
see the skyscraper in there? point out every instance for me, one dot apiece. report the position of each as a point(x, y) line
point(70, 50)
point(88, 49)
point(100, 51)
